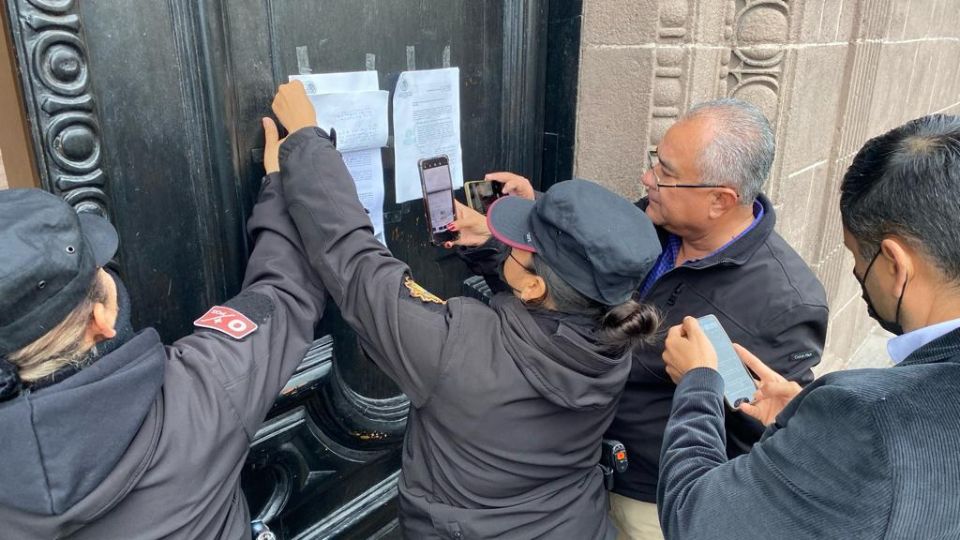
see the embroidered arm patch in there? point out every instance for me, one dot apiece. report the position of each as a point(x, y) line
point(417, 291)
point(239, 317)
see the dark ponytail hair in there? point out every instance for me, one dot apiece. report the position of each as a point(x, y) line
point(622, 327)
point(630, 324)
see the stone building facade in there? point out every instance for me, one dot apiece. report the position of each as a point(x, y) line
point(829, 74)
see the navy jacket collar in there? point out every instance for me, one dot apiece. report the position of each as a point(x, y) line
point(945, 347)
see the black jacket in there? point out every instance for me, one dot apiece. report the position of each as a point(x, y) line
point(149, 441)
point(859, 454)
point(508, 405)
point(766, 298)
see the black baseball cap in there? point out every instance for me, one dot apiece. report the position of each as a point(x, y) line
point(50, 255)
point(598, 242)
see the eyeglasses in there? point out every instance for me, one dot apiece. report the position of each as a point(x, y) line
point(653, 160)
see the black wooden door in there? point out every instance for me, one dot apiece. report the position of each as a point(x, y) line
point(148, 112)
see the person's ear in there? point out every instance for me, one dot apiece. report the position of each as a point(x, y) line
point(534, 288)
point(721, 201)
point(901, 263)
point(102, 323)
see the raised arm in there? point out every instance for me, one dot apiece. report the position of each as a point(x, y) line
point(402, 327)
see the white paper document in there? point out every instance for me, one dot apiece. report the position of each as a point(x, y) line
point(360, 118)
point(366, 168)
point(331, 83)
point(353, 104)
point(426, 124)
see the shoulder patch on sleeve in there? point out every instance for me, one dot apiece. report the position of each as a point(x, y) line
point(227, 321)
point(417, 291)
point(238, 317)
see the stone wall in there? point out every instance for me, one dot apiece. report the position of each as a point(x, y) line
point(828, 73)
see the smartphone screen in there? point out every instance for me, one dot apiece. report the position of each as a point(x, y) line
point(738, 385)
point(437, 187)
point(481, 194)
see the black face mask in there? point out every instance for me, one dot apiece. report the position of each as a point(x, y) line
point(892, 327)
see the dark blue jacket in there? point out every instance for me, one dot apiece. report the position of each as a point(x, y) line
point(766, 298)
point(869, 453)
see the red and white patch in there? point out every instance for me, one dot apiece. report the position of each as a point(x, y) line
point(229, 321)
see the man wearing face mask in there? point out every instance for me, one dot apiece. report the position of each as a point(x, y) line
point(869, 453)
point(107, 433)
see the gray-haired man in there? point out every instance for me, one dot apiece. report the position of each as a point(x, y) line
point(721, 255)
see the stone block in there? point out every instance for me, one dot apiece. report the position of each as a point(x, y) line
point(849, 287)
point(946, 84)
point(706, 74)
point(890, 97)
point(810, 14)
point(762, 25)
point(825, 21)
point(941, 71)
point(846, 19)
point(798, 216)
point(900, 11)
point(714, 22)
point(612, 116)
point(620, 22)
point(921, 18)
point(841, 332)
point(812, 114)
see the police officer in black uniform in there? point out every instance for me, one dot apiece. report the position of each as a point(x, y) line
point(107, 433)
point(509, 401)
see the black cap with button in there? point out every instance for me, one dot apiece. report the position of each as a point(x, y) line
point(598, 242)
point(49, 255)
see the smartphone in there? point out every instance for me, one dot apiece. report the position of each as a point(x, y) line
point(738, 385)
point(482, 193)
point(437, 184)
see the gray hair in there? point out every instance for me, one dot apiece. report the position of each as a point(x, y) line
point(906, 182)
point(741, 152)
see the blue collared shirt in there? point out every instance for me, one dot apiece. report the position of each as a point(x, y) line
point(668, 257)
point(901, 347)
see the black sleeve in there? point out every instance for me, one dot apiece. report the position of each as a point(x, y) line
point(805, 481)
point(282, 295)
point(485, 260)
point(402, 330)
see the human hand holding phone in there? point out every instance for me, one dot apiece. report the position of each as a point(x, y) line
point(513, 184)
point(773, 392)
point(471, 226)
point(437, 185)
point(687, 348)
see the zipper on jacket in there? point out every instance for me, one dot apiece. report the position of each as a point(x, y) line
point(676, 293)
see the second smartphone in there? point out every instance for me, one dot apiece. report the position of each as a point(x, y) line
point(738, 385)
point(437, 184)
point(481, 194)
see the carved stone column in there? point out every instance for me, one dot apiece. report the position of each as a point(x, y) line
point(49, 39)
